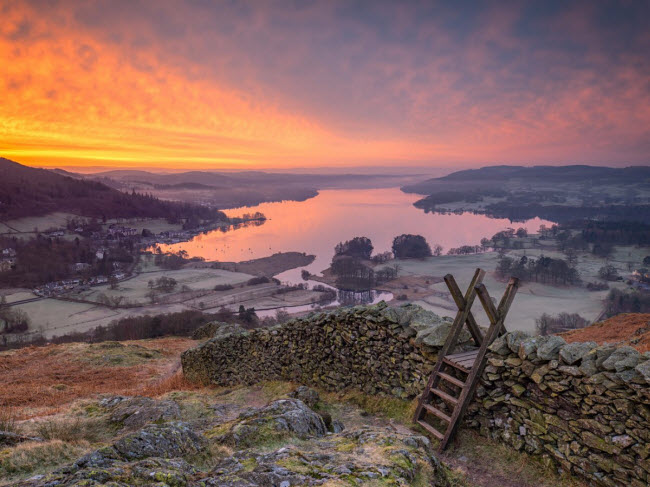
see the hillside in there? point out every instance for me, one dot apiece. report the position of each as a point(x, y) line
point(71, 400)
point(27, 191)
point(631, 329)
point(578, 174)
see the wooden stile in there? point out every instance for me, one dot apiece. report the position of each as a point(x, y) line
point(470, 362)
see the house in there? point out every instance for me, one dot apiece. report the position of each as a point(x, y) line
point(80, 267)
point(8, 252)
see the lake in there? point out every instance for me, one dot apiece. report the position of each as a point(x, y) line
point(316, 225)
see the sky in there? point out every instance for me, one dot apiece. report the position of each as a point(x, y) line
point(284, 84)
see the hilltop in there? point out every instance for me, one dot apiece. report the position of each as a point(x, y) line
point(27, 191)
point(116, 410)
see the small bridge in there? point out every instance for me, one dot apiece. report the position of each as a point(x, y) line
point(454, 377)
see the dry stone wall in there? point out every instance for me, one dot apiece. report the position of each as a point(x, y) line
point(376, 349)
point(584, 407)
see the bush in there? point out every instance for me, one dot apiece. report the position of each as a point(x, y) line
point(258, 280)
point(223, 287)
point(597, 286)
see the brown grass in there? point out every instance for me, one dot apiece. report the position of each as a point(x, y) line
point(40, 380)
point(627, 328)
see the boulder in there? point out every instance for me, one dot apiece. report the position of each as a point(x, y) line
point(169, 440)
point(621, 359)
point(280, 419)
point(135, 412)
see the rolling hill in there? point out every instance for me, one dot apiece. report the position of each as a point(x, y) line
point(27, 191)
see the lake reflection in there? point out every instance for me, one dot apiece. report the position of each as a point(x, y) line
point(315, 226)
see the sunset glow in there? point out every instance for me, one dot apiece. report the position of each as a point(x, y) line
point(255, 85)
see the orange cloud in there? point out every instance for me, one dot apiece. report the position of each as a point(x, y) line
point(128, 91)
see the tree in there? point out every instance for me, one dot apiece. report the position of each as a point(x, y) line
point(521, 232)
point(409, 246)
point(608, 273)
point(360, 247)
point(646, 260)
point(166, 284)
point(437, 250)
point(113, 282)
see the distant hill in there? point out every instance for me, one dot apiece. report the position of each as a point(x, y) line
point(27, 191)
point(495, 175)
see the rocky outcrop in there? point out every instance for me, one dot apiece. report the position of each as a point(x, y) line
point(280, 419)
point(587, 407)
point(376, 349)
point(135, 412)
point(300, 452)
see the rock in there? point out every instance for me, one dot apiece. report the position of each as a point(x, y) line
point(436, 335)
point(549, 347)
point(528, 347)
point(217, 329)
point(335, 460)
point(135, 412)
point(621, 359)
point(499, 346)
point(307, 395)
point(644, 369)
point(572, 353)
point(514, 340)
point(170, 440)
point(280, 419)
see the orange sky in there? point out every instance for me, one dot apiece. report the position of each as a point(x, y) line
point(101, 85)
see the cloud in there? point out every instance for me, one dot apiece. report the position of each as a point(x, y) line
point(333, 82)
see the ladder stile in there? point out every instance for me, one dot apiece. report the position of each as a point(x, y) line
point(470, 362)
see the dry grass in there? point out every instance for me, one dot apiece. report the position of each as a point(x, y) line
point(33, 458)
point(39, 380)
point(627, 328)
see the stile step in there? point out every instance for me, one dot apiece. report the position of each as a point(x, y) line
point(452, 380)
point(455, 365)
point(435, 411)
point(444, 396)
point(431, 429)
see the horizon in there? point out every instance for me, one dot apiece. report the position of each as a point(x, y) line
point(337, 85)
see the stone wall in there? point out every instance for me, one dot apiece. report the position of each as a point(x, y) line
point(584, 406)
point(376, 349)
point(587, 408)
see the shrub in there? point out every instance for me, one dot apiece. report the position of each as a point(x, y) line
point(223, 287)
point(258, 280)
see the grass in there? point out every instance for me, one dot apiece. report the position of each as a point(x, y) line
point(8, 421)
point(76, 430)
point(384, 406)
point(33, 458)
point(497, 464)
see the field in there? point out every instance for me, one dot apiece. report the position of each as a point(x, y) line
point(533, 299)
point(135, 289)
point(24, 227)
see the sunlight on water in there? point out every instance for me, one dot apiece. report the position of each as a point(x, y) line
point(315, 226)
